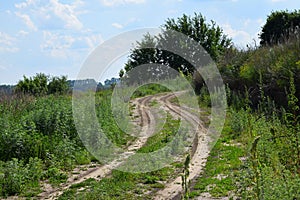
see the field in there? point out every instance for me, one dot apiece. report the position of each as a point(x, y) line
point(233, 135)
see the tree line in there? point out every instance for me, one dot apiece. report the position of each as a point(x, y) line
point(268, 67)
point(41, 84)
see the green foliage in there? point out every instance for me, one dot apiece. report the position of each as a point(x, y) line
point(35, 86)
point(292, 117)
point(184, 177)
point(271, 170)
point(267, 69)
point(43, 128)
point(204, 97)
point(38, 140)
point(55, 175)
point(121, 73)
point(12, 178)
point(161, 139)
point(149, 89)
point(58, 85)
point(82, 157)
point(150, 49)
point(107, 121)
point(280, 27)
point(223, 162)
point(270, 163)
point(257, 156)
point(208, 35)
point(41, 84)
point(17, 177)
point(121, 185)
point(144, 53)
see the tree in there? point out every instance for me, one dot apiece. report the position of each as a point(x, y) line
point(150, 49)
point(58, 85)
point(40, 85)
point(36, 86)
point(121, 73)
point(208, 35)
point(144, 53)
point(280, 26)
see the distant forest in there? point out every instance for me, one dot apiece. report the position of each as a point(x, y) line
point(9, 89)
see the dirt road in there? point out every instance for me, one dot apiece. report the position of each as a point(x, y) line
point(145, 121)
point(199, 152)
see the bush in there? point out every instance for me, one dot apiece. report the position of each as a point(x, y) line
point(15, 176)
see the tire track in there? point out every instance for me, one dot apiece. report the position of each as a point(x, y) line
point(147, 123)
point(199, 152)
point(147, 120)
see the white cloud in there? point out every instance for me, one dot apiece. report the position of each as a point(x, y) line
point(24, 4)
point(120, 2)
point(253, 22)
point(53, 13)
point(27, 20)
point(239, 37)
point(93, 40)
point(120, 26)
point(22, 33)
point(7, 43)
point(56, 45)
point(67, 13)
point(117, 25)
point(63, 46)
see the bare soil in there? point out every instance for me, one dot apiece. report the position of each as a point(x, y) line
point(96, 171)
point(145, 122)
point(200, 150)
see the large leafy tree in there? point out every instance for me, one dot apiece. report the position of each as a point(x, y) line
point(144, 53)
point(280, 26)
point(208, 35)
point(150, 49)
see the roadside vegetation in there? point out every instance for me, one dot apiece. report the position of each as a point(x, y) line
point(256, 157)
point(125, 185)
point(39, 141)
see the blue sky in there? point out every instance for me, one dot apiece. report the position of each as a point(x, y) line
point(56, 36)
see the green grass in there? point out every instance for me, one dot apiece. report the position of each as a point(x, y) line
point(125, 185)
point(252, 159)
point(38, 142)
point(38, 138)
point(107, 121)
point(149, 89)
point(121, 185)
point(83, 184)
point(222, 165)
point(160, 140)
